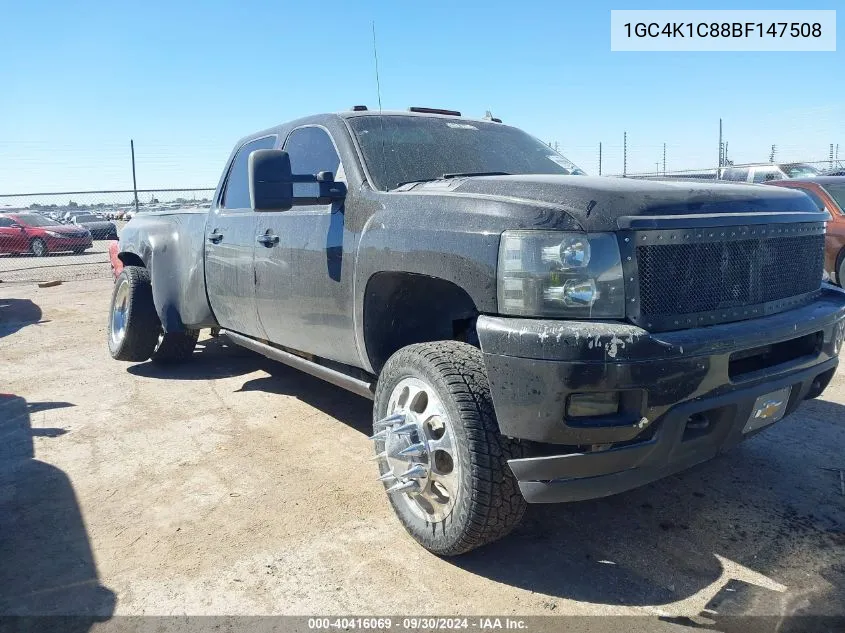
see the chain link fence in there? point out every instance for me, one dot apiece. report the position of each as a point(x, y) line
point(65, 236)
point(746, 172)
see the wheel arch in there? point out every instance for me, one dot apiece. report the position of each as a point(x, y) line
point(402, 308)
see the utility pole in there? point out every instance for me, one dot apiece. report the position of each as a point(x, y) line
point(599, 158)
point(831, 156)
point(134, 183)
point(772, 155)
point(664, 159)
point(721, 154)
point(624, 154)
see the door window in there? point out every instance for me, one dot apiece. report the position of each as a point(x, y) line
point(765, 174)
point(737, 175)
point(236, 191)
point(5, 223)
point(311, 151)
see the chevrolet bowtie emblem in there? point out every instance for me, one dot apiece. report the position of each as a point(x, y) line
point(768, 409)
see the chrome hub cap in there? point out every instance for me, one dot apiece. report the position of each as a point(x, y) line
point(118, 313)
point(415, 448)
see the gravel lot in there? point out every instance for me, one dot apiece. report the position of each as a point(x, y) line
point(232, 485)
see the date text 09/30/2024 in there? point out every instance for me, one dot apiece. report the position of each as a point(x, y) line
point(425, 623)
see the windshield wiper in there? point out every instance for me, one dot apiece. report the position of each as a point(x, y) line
point(414, 182)
point(466, 174)
point(469, 174)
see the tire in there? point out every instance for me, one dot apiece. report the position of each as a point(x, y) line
point(840, 273)
point(485, 500)
point(174, 347)
point(133, 323)
point(38, 247)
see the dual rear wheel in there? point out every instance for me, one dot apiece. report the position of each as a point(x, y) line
point(135, 332)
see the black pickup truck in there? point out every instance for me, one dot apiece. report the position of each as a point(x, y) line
point(528, 333)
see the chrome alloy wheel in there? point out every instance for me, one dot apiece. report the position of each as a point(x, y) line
point(119, 311)
point(416, 451)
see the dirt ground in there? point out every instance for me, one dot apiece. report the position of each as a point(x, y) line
point(233, 485)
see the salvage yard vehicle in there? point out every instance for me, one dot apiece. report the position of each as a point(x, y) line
point(768, 171)
point(527, 335)
point(828, 192)
point(100, 229)
point(39, 235)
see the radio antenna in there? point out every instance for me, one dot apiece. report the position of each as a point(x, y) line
point(378, 90)
point(375, 59)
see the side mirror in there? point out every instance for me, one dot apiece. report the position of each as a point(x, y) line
point(15, 225)
point(270, 181)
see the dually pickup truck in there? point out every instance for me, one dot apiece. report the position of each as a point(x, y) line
point(527, 333)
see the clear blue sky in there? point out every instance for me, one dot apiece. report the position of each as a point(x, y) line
point(186, 80)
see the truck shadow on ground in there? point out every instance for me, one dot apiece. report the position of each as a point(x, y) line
point(47, 567)
point(346, 407)
point(724, 534)
point(15, 314)
point(213, 358)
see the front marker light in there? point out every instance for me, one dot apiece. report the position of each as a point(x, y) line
point(560, 274)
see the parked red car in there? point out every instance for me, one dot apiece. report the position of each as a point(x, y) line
point(39, 235)
point(828, 192)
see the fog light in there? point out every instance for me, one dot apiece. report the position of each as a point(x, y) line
point(597, 403)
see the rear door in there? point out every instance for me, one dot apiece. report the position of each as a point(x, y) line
point(303, 283)
point(230, 237)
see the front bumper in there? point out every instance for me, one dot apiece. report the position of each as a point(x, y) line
point(667, 378)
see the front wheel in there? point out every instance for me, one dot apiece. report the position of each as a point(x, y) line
point(440, 453)
point(38, 247)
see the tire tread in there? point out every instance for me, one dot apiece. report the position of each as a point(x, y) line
point(495, 505)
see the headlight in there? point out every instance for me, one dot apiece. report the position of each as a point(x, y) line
point(53, 234)
point(552, 273)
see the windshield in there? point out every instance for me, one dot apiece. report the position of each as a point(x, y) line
point(36, 220)
point(800, 170)
point(86, 218)
point(837, 192)
point(401, 149)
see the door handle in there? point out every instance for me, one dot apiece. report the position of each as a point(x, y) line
point(214, 237)
point(268, 239)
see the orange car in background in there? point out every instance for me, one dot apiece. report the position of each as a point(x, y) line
point(828, 192)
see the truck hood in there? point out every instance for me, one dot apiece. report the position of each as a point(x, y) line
point(603, 203)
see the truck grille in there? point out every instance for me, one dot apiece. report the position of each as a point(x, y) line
point(746, 275)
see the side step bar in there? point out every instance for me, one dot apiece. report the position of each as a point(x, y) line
point(355, 385)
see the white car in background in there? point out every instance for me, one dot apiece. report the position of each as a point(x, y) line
point(769, 171)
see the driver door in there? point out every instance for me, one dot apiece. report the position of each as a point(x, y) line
point(303, 283)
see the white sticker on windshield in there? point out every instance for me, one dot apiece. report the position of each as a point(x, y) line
point(461, 126)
